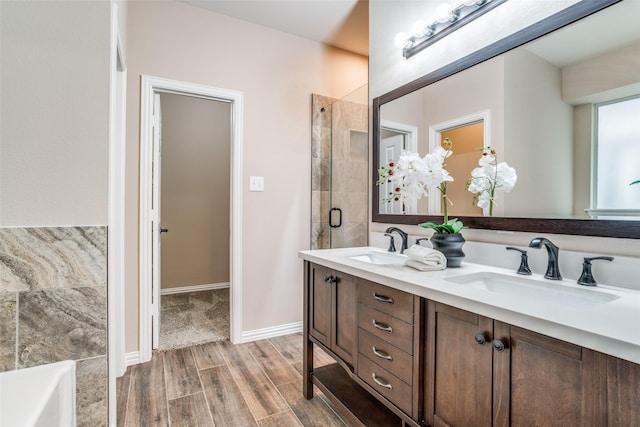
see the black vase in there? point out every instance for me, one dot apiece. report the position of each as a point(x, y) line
point(451, 246)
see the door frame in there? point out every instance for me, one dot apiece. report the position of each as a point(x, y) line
point(410, 133)
point(149, 86)
point(435, 136)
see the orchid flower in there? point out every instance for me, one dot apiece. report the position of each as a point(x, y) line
point(489, 177)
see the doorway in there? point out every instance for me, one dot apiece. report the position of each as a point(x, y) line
point(469, 135)
point(194, 216)
point(151, 226)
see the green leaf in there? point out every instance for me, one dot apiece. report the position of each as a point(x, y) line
point(452, 226)
point(635, 182)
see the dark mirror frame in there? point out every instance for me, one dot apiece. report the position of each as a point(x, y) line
point(583, 227)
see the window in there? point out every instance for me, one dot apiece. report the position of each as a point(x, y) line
point(617, 157)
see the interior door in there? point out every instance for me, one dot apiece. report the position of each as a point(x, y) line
point(390, 149)
point(155, 221)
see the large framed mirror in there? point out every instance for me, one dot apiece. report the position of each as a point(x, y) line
point(559, 101)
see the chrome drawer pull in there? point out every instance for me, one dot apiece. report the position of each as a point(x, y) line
point(382, 326)
point(380, 383)
point(380, 354)
point(382, 298)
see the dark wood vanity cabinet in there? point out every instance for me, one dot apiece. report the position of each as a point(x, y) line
point(483, 372)
point(389, 338)
point(403, 360)
point(332, 311)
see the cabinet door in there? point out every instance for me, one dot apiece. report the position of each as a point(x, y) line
point(459, 359)
point(623, 392)
point(542, 381)
point(344, 333)
point(320, 304)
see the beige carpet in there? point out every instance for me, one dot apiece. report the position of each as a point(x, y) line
point(193, 318)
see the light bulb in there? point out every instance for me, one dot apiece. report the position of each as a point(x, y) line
point(420, 28)
point(401, 40)
point(444, 12)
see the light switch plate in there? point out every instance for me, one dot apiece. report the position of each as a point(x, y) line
point(256, 183)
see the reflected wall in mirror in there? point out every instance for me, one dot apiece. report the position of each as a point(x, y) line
point(537, 104)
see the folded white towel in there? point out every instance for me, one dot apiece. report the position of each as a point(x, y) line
point(421, 266)
point(425, 259)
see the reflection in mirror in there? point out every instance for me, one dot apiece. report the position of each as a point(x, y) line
point(536, 105)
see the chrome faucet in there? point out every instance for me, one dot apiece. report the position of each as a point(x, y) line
point(405, 238)
point(553, 268)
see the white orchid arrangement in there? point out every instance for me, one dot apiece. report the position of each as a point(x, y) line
point(490, 177)
point(413, 176)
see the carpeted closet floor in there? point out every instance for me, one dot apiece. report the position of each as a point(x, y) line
point(193, 318)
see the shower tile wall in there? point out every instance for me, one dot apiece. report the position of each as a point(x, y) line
point(53, 307)
point(343, 128)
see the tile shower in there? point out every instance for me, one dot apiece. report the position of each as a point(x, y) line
point(53, 307)
point(340, 149)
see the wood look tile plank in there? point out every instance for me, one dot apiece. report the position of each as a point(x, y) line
point(190, 411)
point(225, 400)
point(122, 394)
point(290, 346)
point(282, 419)
point(207, 355)
point(257, 389)
point(181, 373)
point(314, 412)
point(320, 358)
point(277, 368)
point(147, 400)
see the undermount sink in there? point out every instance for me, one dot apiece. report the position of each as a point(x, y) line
point(546, 292)
point(379, 258)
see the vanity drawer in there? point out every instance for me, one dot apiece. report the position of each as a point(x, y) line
point(386, 384)
point(388, 300)
point(386, 356)
point(386, 327)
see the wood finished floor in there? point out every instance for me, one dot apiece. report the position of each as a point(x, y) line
point(222, 384)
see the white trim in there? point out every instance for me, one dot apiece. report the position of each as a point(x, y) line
point(132, 358)
point(115, 230)
point(435, 132)
point(596, 213)
point(410, 133)
point(194, 288)
point(274, 331)
point(149, 86)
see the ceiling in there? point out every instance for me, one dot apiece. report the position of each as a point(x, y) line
point(340, 23)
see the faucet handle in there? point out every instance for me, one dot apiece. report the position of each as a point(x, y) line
point(392, 246)
point(586, 278)
point(524, 263)
point(421, 239)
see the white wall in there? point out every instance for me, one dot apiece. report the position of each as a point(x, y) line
point(54, 129)
point(388, 70)
point(541, 130)
point(277, 72)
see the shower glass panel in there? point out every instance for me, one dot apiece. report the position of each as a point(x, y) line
point(340, 148)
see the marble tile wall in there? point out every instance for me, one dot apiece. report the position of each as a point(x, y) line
point(340, 147)
point(53, 307)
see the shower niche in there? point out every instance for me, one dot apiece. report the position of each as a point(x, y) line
point(340, 170)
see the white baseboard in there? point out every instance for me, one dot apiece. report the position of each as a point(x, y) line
point(274, 331)
point(132, 358)
point(194, 288)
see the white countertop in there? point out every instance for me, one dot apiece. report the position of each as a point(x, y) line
point(610, 328)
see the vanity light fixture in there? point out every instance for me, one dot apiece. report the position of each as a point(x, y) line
point(447, 20)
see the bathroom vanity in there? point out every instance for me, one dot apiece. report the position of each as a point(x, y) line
point(458, 347)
